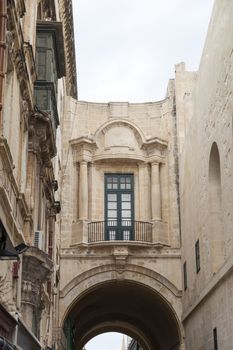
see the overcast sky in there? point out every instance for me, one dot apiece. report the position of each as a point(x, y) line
point(107, 341)
point(126, 51)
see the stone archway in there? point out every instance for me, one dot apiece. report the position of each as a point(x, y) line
point(103, 299)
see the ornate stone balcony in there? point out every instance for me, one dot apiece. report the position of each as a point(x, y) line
point(36, 265)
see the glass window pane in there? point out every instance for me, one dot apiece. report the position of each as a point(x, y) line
point(128, 186)
point(126, 213)
point(109, 186)
point(127, 222)
point(112, 222)
point(126, 197)
point(112, 205)
point(112, 197)
point(122, 186)
point(128, 179)
point(41, 57)
point(126, 234)
point(114, 186)
point(125, 205)
point(41, 41)
point(112, 213)
point(112, 235)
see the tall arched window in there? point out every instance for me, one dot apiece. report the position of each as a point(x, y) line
point(215, 210)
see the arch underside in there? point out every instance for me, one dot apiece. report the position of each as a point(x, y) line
point(128, 307)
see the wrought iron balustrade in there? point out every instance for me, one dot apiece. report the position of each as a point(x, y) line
point(119, 230)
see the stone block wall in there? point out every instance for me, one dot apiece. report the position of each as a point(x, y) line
point(118, 138)
point(206, 190)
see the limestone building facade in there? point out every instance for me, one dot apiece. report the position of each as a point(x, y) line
point(120, 237)
point(37, 67)
point(142, 244)
point(205, 109)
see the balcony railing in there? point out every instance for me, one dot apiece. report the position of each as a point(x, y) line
point(115, 230)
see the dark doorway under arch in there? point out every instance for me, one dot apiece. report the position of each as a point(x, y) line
point(128, 308)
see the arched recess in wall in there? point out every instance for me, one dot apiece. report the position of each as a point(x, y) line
point(215, 210)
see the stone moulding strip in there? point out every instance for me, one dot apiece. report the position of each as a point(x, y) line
point(129, 268)
point(210, 288)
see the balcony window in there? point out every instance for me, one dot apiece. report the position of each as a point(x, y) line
point(50, 65)
point(50, 54)
point(45, 100)
point(119, 223)
point(45, 59)
point(119, 207)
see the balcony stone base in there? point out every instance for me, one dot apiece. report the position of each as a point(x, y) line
point(79, 232)
point(160, 232)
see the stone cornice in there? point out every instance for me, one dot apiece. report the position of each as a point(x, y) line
point(155, 142)
point(83, 148)
point(137, 249)
point(68, 28)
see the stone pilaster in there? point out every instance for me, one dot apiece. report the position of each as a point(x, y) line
point(83, 191)
point(143, 183)
point(155, 192)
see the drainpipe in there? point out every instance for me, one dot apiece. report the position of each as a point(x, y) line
point(3, 21)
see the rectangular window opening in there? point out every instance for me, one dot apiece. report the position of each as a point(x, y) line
point(119, 206)
point(215, 334)
point(185, 275)
point(197, 253)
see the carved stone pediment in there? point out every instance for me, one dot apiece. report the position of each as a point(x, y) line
point(119, 139)
point(119, 134)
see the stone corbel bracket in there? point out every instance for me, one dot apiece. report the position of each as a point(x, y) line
point(83, 149)
point(41, 137)
point(156, 149)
